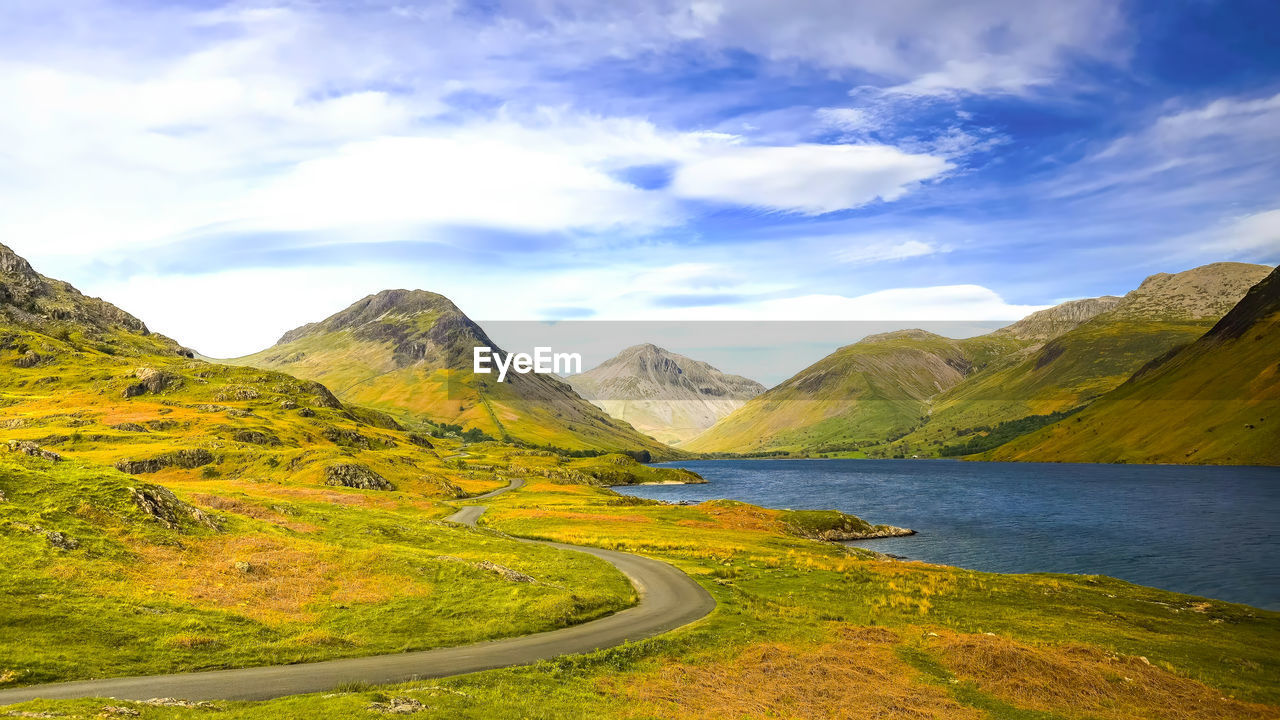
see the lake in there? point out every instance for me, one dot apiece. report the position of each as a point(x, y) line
point(1208, 531)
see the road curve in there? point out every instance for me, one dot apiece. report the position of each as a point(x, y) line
point(668, 599)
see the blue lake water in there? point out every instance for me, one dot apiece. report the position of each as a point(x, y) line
point(1209, 531)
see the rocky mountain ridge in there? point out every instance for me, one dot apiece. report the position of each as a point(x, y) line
point(664, 394)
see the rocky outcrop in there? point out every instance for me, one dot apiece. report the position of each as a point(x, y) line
point(186, 459)
point(61, 540)
point(835, 526)
point(355, 476)
point(501, 571)
point(26, 447)
point(1059, 319)
point(150, 380)
point(55, 308)
point(398, 706)
point(876, 531)
point(255, 437)
point(165, 508)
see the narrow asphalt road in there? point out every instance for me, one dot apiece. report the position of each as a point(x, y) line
point(668, 599)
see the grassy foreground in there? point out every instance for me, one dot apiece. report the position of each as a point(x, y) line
point(806, 629)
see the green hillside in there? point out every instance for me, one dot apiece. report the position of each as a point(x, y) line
point(1071, 370)
point(1215, 402)
point(161, 514)
point(861, 394)
point(916, 393)
point(409, 353)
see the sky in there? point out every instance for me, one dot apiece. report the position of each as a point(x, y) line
point(227, 171)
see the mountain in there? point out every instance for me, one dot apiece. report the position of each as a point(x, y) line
point(915, 393)
point(876, 388)
point(1213, 402)
point(1060, 319)
point(42, 316)
point(663, 394)
point(410, 351)
point(1064, 373)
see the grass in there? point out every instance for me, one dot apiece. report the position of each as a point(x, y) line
point(1213, 403)
point(811, 629)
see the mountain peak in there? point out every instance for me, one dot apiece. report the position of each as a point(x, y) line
point(33, 301)
point(1203, 293)
point(664, 394)
point(908, 334)
point(378, 308)
point(1051, 322)
point(13, 264)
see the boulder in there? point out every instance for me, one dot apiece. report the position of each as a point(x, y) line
point(355, 476)
point(153, 380)
point(165, 508)
point(62, 541)
point(150, 380)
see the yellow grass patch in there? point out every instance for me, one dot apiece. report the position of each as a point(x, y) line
point(248, 509)
point(857, 675)
point(280, 582)
point(570, 515)
point(1079, 681)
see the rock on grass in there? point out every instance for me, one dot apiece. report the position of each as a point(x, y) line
point(355, 476)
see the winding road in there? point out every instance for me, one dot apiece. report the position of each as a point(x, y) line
point(668, 599)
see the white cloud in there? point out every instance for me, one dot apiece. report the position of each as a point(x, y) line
point(1226, 149)
point(944, 303)
point(873, 252)
point(846, 119)
point(810, 179)
point(1254, 233)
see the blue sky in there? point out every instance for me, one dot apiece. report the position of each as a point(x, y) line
point(227, 171)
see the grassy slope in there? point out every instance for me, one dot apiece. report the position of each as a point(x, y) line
point(531, 409)
point(860, 394)
point(814, 630)
point(1214, 402)
point(1067, 372)
point(332, 571)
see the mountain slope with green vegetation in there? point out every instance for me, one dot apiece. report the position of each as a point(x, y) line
point(861, 394)
point(924, 395)
point(1216, 401)
point(409, 353)
point(663, 394)
point(163, 514)
point(1074, 368)
point(159, 513)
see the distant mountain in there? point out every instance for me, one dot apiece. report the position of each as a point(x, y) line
point(43, 315)
point(915, 393)
point(1060, 319)
point(410, 351)
point(1063, 373)
point(1216, 401)
point(877, 388)
point(663, 394)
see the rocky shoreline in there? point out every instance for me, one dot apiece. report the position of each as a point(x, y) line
point(876, 532)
